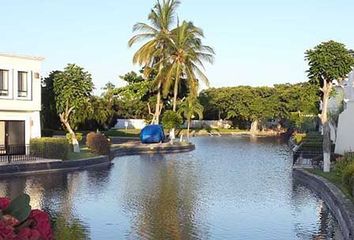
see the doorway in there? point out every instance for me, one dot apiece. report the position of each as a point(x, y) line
point(12, 137)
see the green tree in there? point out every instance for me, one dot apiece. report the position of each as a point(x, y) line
point(72, 89)
point(185, 58)
point(151, 55)
point(171, 120)
point(188, 109)
point(134, 99)
point(328, 61)
point(49, 115)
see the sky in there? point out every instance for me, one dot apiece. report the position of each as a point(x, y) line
point(257, 42)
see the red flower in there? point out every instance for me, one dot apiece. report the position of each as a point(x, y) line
point(29, 234)
point(4, 203)
point(10, 220)
point(6, 231)
point(41, 224)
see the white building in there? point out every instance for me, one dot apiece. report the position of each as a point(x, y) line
point(20, 99)
point(345, 130)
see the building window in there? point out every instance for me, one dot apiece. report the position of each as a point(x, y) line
point(4, 82)
point(22, 84)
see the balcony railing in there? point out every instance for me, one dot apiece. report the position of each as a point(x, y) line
point(15, 153)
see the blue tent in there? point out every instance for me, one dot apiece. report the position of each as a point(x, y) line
point(152, 134)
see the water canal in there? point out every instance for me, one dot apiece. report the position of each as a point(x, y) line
point(228, 188)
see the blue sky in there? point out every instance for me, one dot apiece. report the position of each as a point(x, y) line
point(257, 42)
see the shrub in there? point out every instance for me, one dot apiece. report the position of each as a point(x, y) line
point(52, 148)
point(78, 137)
point(171, 119)
point(98, 143)
point(299, 137)
point(342, 164)
point(348, 177)
point(47, 133)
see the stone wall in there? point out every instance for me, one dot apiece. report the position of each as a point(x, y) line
point(339, 204)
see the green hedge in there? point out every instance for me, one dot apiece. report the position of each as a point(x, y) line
point(52, 148)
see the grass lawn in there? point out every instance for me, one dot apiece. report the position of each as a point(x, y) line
point(84, 153)
point(334, 178)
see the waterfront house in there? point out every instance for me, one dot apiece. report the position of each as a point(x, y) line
point(20, 100)
point(345, 130)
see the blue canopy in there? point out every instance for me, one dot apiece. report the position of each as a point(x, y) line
point(152, 134)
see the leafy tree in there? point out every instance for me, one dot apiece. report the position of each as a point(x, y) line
point(134, 99)
point(72, 89)
point(49, 115)
point(328, 61)
point(188, 109)
point(151, 55)
point(171, 120)
point(249, 106)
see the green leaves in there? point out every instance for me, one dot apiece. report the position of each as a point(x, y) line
point(245, 104)
point(19, 207)
point(328, 61)
point(73, 88)
point(190, 107)
point(171, 119)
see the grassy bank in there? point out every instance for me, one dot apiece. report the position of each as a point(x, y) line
point(338, 175)
point(84, 153)
point(334, 178)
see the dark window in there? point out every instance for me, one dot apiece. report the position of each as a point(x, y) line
point(22, 85)
point(4, 82)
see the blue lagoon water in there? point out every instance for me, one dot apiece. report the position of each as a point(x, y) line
point(228, 188)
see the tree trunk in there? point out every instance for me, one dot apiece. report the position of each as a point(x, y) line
point(326, 129)
point(75, 142)
point(175, 90)
point(172, 135)
point(188, 126)
point(254, 127)
point(157, 109)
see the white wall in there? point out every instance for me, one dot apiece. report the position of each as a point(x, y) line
point(345, 131)
point(27, 108)
point(140, 123)
point(132, 123)
point(31, 65)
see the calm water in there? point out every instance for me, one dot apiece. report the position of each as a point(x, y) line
point(228, 188)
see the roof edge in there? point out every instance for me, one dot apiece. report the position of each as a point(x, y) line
point(22, 56)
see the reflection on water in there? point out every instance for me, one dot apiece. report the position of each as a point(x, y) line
point(228, 188)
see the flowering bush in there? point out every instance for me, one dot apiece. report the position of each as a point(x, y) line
point(19, 222)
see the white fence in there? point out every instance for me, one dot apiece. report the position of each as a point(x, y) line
point(140, 123)
point(130, 124)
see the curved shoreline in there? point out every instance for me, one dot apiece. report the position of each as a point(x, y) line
point(341, 207)
point(151, 149)
point(27, 168)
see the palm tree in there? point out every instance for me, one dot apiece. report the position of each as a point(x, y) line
point(152, 54)
point(189, 108)
point(187, 54)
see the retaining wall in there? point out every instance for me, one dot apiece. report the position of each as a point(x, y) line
point(37, 167)
point(339, 204)
point(123, 151)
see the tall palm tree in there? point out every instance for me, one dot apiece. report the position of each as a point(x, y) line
point(189, 108)
point(187, 54)
point(152, 54)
